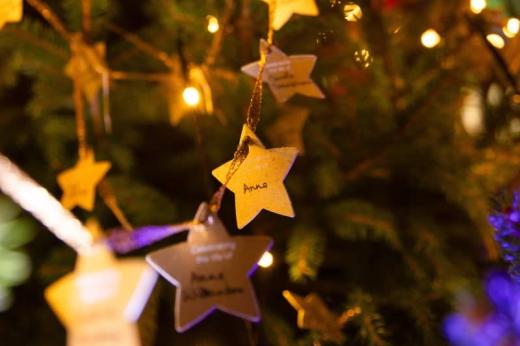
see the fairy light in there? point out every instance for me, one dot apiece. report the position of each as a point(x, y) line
point(477, 6)
point(267, 260)
point(430, 38)
point(213, 24)
point(37, 201)
point(191, 96)
point(496, 40)
point(512, 27)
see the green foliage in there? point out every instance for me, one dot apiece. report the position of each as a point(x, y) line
point(305, 253)
point(391, 196)
point(361, 220)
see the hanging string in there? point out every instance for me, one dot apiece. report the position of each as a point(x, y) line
point(253, 115)
point(81, 132)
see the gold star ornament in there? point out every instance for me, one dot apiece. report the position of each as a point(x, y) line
point(211, 271)
point(313, 314)
point(11, 11)
point(286, 75)
point(101, 301)
point(79, 182)
point(258, 181)
point(87, 63)
point(284, 9)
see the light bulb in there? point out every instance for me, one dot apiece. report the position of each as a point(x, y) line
point(430, 38)
point(191, 96)
point(496, 40)
point(267, 260)
point(512, 27)
point(213, 25)
point(477, 6)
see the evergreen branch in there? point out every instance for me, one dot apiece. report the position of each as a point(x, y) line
point(305, 253)
point(50, 17)
point(357, 219)
point(371, 324)
point(37, 42)
point(144, 46)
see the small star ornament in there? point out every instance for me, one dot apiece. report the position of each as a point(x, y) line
point(79, 182)
point(88, 64)
point(285, 75)
point(11, 11)
point(211, 271)
point(284, 9)
point(258, 181)
point(101, 301)
point(313, 314)
point(288, 128)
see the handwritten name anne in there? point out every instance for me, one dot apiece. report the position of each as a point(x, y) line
point(251, 188)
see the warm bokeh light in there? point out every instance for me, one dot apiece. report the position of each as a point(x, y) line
point(477, 6)
point(512, 27)
point(472, 113)
point(213, 25)
point(267, 260)
point(352, 12)
point(496, 40)
point(191, 96)
point(430, 38)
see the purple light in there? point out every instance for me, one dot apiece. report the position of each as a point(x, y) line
point(499, 326)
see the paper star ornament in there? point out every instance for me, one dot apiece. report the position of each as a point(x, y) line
point(284, 9)
point(286, 75)
point(11, 11)
point(313, 314)
point(101, 301)
point(211, 271)
point(288, 128)
point(258, 181)
point(87, 63)
point(79, 183)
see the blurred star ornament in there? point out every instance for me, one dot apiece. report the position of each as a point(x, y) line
point(211, 271)
point(101, 301)
point(79, 183)
point(284, 9)
point(11, 11)
point(313, 314)
point(87, 63)
point(285, 75)
point(258, 181)
point(288, 128)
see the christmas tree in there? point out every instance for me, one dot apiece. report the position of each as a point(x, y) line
point(404, 114)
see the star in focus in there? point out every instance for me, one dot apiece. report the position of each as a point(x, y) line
point(285, 75)
point(258, 181)
point(284, 9)
point(288, 128)
point(313, 314)
point(79, 182)
point(11, 11)
point(101, 301)
point(211, 271)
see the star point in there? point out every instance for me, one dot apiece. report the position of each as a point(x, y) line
point(284, 9)
point(11, 11)
point(211, 271)
point(258, 181)
point(285, 75)
point(79, 182)
point(101, 301)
